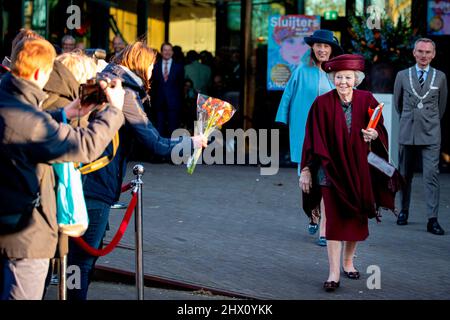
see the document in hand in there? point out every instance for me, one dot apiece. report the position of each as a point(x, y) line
point(381, 164)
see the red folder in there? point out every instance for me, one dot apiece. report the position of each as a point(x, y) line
point(375, 115)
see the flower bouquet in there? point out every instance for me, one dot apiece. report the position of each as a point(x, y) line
point(212, 113)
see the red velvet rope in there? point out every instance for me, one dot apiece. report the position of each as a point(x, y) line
point(122, 228)
point(126, 187)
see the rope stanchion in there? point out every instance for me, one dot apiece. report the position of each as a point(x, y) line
point(117, 237)
point(139, 170)
point(135, 204)
point(62, 289)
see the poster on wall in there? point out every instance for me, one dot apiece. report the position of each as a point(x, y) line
point(286, 46)
point(438, 20)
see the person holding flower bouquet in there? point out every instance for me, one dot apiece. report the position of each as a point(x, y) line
point(102, 188)
point(212, 113)
point(334, 164)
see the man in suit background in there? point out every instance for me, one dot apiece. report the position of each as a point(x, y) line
point(118, 45)
point(420, 97)
point(167, 91)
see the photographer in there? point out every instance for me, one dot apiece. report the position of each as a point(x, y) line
point(31, 141)
point(102, 188)
point(70, 70)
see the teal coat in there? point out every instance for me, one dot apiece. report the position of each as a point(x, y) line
point(298, 96)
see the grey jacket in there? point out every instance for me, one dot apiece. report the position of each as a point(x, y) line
point(30, 140)
point(420, 126)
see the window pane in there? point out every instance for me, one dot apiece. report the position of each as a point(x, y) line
point(359, 7)
point(394, 8)
point(39, 20)
point(318, 7)
point(261, 10)
point(260, 20)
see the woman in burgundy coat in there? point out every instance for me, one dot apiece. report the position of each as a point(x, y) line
point(334, 164)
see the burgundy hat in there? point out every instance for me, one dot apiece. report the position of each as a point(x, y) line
point(344, 62)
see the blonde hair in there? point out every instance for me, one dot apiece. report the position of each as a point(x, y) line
point(82, 67)
point(31, 54)
point(137, 57)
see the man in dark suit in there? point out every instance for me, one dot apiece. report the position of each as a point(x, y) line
point(420, 97)
point(167, 91)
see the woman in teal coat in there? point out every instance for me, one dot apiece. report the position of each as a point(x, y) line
point(307, 82)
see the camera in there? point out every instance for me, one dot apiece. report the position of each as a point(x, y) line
point(91, 92)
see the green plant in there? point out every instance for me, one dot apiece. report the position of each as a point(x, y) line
point(392, 43)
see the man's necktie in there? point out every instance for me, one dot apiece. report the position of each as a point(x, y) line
point(421, 78)
point(166, 71)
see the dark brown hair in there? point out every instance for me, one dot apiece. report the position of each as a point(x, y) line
point(312, 57)
point(24, 34)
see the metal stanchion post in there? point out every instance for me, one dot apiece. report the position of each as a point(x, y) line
point(62, 293)
point(138, 170)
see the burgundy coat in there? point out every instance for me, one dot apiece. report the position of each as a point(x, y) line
point(360, 189)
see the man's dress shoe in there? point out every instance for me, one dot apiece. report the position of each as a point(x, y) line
point(434, 228)
point(402, 218)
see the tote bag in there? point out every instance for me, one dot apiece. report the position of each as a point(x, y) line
point(71, 209)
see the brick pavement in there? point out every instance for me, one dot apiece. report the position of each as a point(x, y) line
point(229, 228)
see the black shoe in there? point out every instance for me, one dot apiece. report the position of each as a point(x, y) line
point(402, 218)
point(434, 228)
point(330, 286)
point(354, 275)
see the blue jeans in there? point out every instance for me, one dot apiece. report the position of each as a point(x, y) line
point(98, 212)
